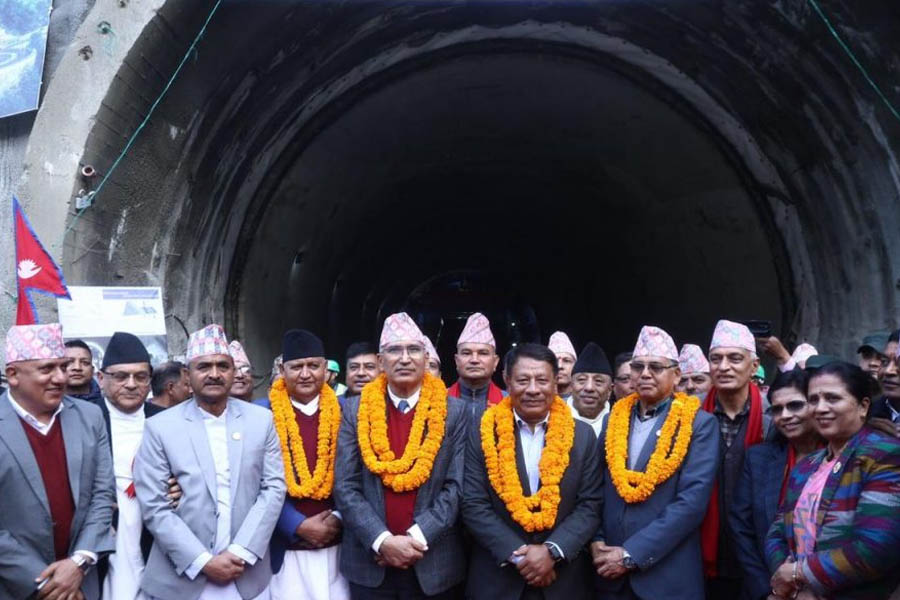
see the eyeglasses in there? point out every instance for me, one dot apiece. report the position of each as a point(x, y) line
point(793, 407)
point(655, 368)
point(243, 370)
point(414, 351)
point(121, 377)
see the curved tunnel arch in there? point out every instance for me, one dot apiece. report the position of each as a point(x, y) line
point(216, 160)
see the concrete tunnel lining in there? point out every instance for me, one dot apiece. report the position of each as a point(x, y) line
point(184, 169)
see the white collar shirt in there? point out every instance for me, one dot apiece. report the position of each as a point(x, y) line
point(532, 447)
point(412, 400)
point(308, 409)
point(42, 428)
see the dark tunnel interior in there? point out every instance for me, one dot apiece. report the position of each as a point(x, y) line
point(585, 167)
point(542, 189)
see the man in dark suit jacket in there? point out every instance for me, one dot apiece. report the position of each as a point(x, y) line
point(55, 474)
point(651, 548)
point(401, 542)
point(125, 384)
point(513, 556)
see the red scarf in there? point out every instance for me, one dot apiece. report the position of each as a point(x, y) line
point(494, 394)
point(709, 530)
point(788, 467)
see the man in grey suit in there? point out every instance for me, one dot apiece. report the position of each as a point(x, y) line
point(650, 548)
point(401, 541)
point(56, 476)
point(226, 457)
point(523, 557)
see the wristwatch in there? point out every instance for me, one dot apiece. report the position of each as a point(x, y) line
point(555, 554)
point(83, 563)
point(627, 561)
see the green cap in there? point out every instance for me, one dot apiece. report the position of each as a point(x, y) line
point(761, 373)
point(875, 341)
point(333, 366)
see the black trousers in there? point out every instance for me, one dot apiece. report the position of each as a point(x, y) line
point(723, 588)
point(400, 584)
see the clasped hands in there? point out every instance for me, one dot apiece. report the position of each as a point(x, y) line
point(786, 586)
point(320, 529)
point(608, 560)
point(400, 552)
point(535, 564)
point(62, 581)
point(224, 568)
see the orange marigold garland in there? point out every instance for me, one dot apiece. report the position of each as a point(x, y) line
point(671, 446)
point(411, 470)
point(536, 512)
point(300, 482)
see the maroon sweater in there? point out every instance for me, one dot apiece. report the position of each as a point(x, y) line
point(50, 454)
point(399, 506)
point(309, 431)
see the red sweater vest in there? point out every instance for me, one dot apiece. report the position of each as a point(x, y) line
point(309, 431)
point(50, 454)
point(399, 506)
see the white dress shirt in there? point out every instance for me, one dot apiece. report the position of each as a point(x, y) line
point(414, 531)
point(532, 443)
point(42, 428)
point(596, 423)
point(126, 564)
point(217, 434)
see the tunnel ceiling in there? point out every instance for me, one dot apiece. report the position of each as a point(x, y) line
point(560, 177)
point(603, 165)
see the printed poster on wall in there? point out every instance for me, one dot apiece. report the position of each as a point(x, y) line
point(95, 313)
point(23, 43)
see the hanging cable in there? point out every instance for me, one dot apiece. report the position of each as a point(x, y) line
point(191, 49)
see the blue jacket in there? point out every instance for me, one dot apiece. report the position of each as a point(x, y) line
point(288, 521)
point(662, 534)
point(753, 511)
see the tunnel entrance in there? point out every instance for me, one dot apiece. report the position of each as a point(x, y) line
point(589, 167)
point(539, 186)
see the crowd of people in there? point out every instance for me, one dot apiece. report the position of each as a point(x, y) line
point(659, 474)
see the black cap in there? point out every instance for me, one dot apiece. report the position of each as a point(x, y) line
point(124, 348)
point(874, 341)
point(592, 360)
point(300, 343)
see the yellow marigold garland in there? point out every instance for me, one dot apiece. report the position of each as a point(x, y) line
point(536, 512)
point(411, 470)
point(637, 486)
point(318, 484)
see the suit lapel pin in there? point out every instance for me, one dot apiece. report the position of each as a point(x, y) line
point(658, 432)
point(837, 467)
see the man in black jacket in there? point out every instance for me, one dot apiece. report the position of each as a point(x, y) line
point(516, 555)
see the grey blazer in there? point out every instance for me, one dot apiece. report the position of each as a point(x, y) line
point(359, 495)
point(662, 533)
point(175, 443)
point(26, 530)
point(497, 536)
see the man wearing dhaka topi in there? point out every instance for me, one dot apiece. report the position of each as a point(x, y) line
point(659, 459)
point(399, 477)
point(225, 455)
point(306, 543)
point(476, 360)
point(533, 485)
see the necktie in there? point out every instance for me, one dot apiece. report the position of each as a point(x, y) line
point(403, 406)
